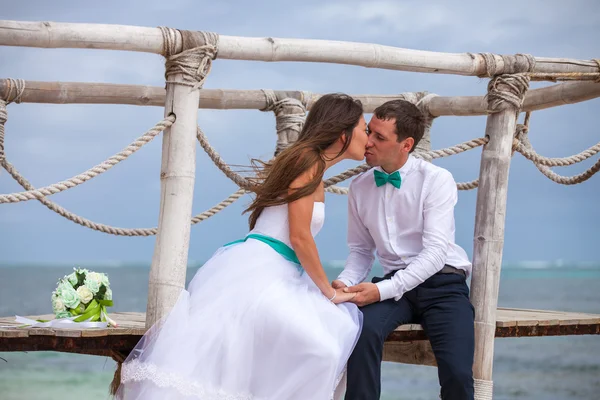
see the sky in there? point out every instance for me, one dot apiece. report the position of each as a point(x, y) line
point(48, 142)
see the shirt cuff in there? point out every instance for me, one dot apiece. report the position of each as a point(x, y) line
point(386, 289)
point(345, 282)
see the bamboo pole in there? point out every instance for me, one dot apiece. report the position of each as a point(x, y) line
point(107, 93)
point(144, 39)
point(489, 226)
point(177, 177)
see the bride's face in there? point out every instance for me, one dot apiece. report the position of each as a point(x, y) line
point(358, 144)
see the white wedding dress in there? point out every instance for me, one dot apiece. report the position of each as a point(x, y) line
point(251, 326)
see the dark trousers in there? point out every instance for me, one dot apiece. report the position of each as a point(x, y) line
point(441, 305)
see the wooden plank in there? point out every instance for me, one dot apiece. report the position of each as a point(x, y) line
point(417, 352)
point(510, 323)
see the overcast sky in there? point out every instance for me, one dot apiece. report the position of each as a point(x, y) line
point(48, 143)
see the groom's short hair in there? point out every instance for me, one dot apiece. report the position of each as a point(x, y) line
point(410, 121)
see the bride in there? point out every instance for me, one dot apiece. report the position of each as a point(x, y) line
point(260, 319)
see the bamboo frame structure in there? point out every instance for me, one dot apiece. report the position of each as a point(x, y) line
point(167, 275)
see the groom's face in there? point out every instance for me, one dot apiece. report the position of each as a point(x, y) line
point(383, 147)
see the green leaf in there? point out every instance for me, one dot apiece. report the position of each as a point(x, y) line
point(80, 279)
point(101, 291)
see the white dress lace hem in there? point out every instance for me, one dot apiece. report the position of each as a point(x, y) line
point(136, 371)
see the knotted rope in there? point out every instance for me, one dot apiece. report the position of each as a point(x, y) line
point(525, 64)
point(505, 91)
point(511, 64)
point(14, 93)
point(290, 114)
point(195, 61)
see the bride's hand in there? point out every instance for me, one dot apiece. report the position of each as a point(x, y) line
point(341, 296)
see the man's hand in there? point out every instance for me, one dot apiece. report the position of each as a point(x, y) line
point(337, 284)
point(366, 293)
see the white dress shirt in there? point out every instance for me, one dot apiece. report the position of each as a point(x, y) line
point(410, 228)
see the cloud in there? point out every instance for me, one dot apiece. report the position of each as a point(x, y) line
point(450, 24)
point(49, 143)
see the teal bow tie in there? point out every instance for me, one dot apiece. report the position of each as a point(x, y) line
point(381, 178)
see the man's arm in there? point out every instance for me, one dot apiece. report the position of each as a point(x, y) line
point(438, 227)
point(361, 246)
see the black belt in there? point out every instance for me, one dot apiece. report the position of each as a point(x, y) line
point(448, 269)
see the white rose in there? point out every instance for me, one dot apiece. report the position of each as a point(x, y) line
point(94, 276)
point(69, 297)
point(72, 278)
point(93, 285)
point(108, 294)
point(105, 281)
point(85, 294)
point(57, 305)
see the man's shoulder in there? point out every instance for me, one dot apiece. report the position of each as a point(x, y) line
point(429, 169)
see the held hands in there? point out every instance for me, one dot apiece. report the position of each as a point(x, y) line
point(340, 295)
point(361, 294)
point(366, 293)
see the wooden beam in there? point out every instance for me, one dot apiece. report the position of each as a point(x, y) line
point(145, 39)
point(107, 93)
point(177, 178)
point(490, 218)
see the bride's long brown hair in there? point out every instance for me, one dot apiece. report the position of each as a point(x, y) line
point(332, 116)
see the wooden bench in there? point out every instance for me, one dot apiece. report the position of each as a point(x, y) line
point(407, 344)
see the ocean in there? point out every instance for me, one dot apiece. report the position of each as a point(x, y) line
point(549, 368)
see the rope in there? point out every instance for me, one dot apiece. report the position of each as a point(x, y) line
point(528, 152)
point(515, 64)
point(92, 172)
point(484, 390)
point(474, 184)
point(503, 89)
point(219, 207)
point(15, 90)
point(194, 64)
point(543, 164)
point(111, 229)
point(222, 165)
point(247, 184)
point(290, 114)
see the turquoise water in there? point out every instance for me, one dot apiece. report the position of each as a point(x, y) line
point(526, 368)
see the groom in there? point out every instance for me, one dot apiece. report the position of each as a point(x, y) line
point(403, 209)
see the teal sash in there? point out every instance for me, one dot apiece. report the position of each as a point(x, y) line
point(286, 251)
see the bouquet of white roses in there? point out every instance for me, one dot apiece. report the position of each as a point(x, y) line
point(83, 296)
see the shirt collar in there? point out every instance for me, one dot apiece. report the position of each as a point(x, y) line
point(405, 169)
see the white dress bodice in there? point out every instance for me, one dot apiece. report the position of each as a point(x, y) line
point(274, 222)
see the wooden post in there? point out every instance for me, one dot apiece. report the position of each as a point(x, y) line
point(177, 176)
point(504, 102)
